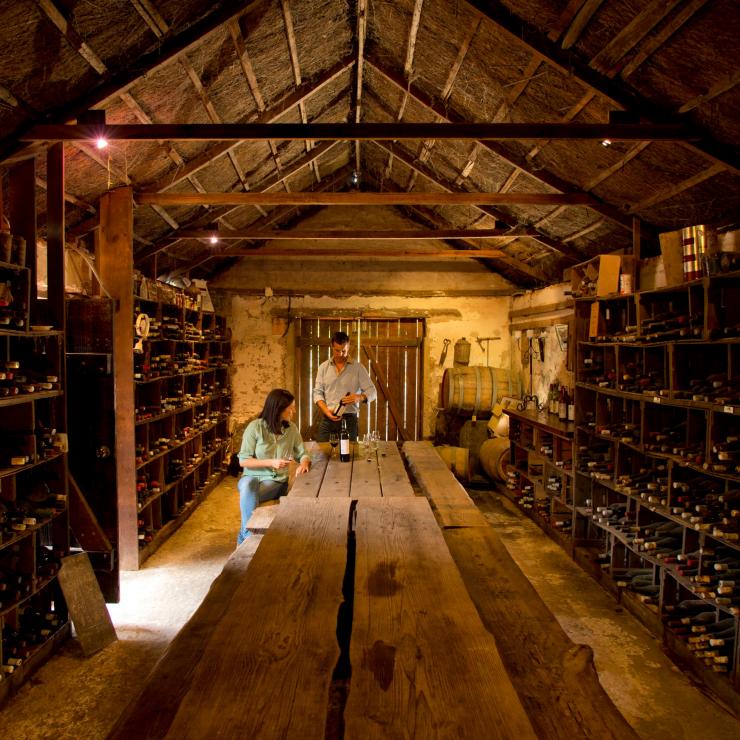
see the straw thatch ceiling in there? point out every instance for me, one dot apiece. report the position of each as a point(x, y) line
point(385, 61)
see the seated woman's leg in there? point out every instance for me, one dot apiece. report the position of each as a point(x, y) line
point(248, 498)
point(271, 490)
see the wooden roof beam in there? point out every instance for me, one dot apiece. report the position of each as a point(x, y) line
point(293, 47)
point(547, 178)
point(580, 21)
point(524, 34)
point(350, 234)
point(151, 17)
point(372, 254)
point(456, 130)
point(361, 30)
point(360, 198)
point(11, 149)
point(507, 218)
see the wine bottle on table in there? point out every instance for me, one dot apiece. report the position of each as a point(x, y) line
point(344, 453)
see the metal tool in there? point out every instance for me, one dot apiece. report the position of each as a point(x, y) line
point(488, 341)
point(443, 356)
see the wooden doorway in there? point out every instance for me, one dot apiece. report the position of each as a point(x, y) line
point(390, 349)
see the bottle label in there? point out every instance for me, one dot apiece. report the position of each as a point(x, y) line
point(344, 446)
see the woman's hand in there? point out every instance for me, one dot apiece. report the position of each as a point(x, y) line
point(304, 467)
point(279, 463)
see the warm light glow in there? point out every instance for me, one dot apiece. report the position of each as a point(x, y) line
point(101, 142)
point(606, 142)
point(213, 239)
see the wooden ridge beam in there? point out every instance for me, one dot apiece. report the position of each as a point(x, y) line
point(351, 234)
point(359, 198)
point(458, 131)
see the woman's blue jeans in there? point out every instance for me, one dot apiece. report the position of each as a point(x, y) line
point(253, 491)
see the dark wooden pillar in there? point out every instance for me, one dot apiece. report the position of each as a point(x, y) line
point(22, 216)
point(116, 263)
point(55, 234)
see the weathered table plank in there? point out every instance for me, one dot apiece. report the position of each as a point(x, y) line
point(555, 678)
point(337, 479)
point(394, 481)
point(309, 484)
point(365, 476)
point(150, 713)
point(423, 664)
point(267, 668)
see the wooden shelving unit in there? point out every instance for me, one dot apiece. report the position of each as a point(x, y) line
point(34, 510)
point(655, 515)
point(182, 406)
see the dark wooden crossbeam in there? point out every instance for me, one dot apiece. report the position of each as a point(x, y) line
point(350, 234)
point(359, 198)
point(371, 255)
point(360, 131)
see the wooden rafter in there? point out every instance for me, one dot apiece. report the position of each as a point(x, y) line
point(151, 17)
point(574, 110)
point(408, 64)
point(359, 69)
point(83, 205)
point(433, 218)
point(579, 23)
point(656, 41)
point(610, 58)
point(507, 218)
point(525, 35)
point(11, 149)
point(564, 19)
point(673, 190)
point(719, 88)
point(631, 153)
point(275, 216)
point(547, 178)
point(372, 254)
point(553, 214)
point(245, 62)
point(360, 198)
point(219, 214)
point(585, 230)
point(293, 47)
point(270, 115)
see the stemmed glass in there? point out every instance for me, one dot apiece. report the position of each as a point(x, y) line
point(333, 441)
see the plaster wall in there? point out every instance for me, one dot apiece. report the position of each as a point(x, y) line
point(264, 359)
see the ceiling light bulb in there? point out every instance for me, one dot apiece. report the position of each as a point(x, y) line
point(606, 142)
point(213, 239)
point(101, 142)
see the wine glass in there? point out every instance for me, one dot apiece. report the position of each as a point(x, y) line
point(333, 441)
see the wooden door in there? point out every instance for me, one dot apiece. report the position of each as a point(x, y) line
point(390, 350)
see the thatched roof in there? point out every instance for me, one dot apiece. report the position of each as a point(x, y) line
point(419, 61)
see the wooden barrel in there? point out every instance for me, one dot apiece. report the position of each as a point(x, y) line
point(494, 456)
point(473, 389)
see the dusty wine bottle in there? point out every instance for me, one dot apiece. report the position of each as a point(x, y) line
point(344, 454)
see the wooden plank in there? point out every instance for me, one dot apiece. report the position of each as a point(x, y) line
point(308, 484)
point(394, 481)
point(365, 476)
point(383, 386)
point(154, 707)
point(337, 479)
point(554, 677)
point(580, 22)
point(362, 131)
point(266, 670)
point(55, 237)
point(456, 514)
point(367, 255)
point(410, 606)
point(262, 517)
point(86, 604)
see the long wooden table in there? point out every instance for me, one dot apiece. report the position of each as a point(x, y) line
point(351, 620)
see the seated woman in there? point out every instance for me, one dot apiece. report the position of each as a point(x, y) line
point(270, 443)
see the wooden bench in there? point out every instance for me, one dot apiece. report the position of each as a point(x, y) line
point(368, 579)
point(554, 677)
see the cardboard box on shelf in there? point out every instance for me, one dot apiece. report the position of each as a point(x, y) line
point(600, 275)
point(672, 256)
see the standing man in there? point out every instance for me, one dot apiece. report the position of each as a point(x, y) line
point(341, 380)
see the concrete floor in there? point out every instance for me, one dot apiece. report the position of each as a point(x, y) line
point(73, 697)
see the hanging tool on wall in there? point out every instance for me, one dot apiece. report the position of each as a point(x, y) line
point(488, 341)
point(443, 356)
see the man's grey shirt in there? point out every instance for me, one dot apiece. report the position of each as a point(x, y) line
point(331, 386)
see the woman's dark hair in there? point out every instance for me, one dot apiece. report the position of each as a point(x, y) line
point(278, 399)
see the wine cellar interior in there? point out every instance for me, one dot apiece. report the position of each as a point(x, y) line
point(501, 239)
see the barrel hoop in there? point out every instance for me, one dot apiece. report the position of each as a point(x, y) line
point(460, 391)
point(477, 390)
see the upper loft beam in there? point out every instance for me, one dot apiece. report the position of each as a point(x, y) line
point(362, 131)
point(350, 234)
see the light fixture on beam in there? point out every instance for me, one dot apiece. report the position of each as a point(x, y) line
point(95, 118)
point(213, 238)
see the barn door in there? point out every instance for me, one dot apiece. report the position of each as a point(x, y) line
point(390, 350)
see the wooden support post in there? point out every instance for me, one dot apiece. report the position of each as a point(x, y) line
point(55, 234)
point(116, 262)
point(22, 215)
point(636, 239)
